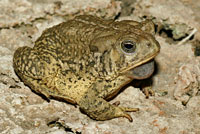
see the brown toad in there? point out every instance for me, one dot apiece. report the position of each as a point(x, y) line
point(86, 61)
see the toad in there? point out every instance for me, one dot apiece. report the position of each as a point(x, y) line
point(87, 60)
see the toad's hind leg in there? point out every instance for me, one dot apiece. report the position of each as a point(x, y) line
point(26, 62)
point(39, 71)
point(30, 67)
point(99, 109)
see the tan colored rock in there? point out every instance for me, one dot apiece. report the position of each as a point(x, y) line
point(22, 111)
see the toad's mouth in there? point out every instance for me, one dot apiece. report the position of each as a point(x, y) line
point(142, 71)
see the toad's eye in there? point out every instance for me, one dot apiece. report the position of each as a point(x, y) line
point(128, 46)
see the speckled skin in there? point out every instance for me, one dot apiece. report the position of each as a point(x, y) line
point(82, 62)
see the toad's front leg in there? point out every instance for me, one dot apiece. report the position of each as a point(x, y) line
point(99, 109)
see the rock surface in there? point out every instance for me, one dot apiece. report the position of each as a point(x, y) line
point(173, 110)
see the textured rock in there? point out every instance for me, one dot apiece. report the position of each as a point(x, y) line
point(16, 12)
point(172, 14)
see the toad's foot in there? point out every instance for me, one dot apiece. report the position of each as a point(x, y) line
point(99, 109)
point(148, 91)
point(126, 109)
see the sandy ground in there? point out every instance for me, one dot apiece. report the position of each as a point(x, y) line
point(175, 108)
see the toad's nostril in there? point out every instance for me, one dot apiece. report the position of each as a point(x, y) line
point(148, 44)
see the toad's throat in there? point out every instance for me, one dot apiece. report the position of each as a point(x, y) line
point(143, 71)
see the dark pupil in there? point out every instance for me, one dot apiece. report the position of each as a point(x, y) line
point(128, 45)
